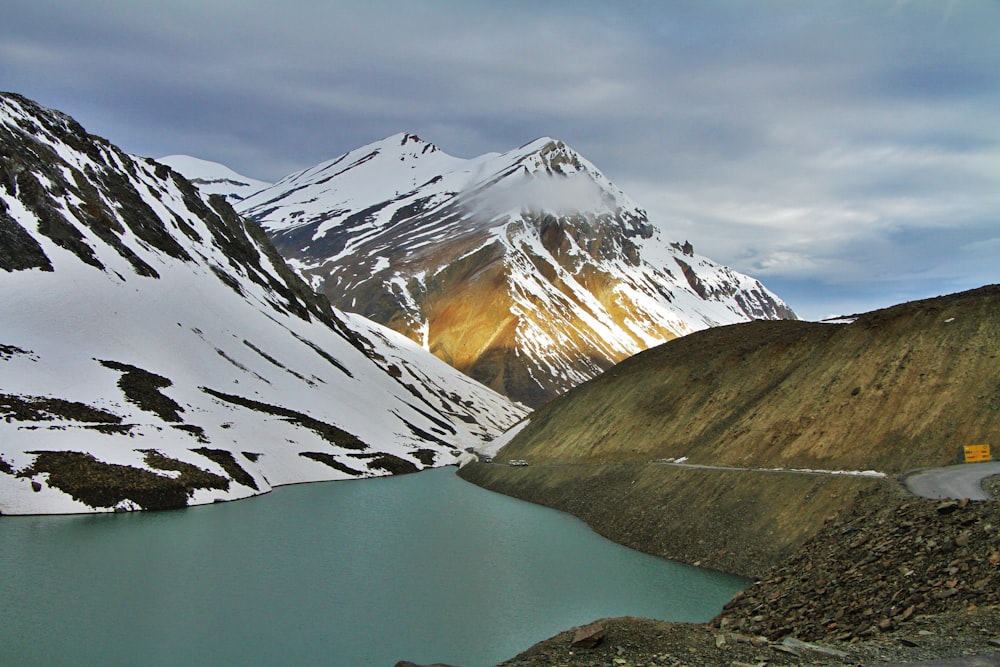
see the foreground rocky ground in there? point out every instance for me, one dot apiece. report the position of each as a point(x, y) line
point(634, 642)
point(898, 579)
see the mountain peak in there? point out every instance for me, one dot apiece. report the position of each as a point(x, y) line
point(414, 139)
point(529, 270)
point(406, 142)
point(213, 178)
point(553, 156)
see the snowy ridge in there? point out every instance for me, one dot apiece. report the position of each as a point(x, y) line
point(213, 178)
point(155, 341)
point(576, 276)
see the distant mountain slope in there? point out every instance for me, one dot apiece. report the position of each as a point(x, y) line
point(896, 389)
point(213, 178)
point(528, 270)
point(155, 351)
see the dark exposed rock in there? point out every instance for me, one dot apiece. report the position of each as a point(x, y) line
point(393, 464)
point(947, 507)
point(331, 460)
point(45, 408)
point(228, 462)
point(51, 221)
point(7, 352)
point(142, 388)
point(105, 485)
point(426, 456)
point(18, 250)
point(332, 434)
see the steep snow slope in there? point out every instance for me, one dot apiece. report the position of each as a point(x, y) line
point(528, 270)
point(155, 351)
point(213, 178)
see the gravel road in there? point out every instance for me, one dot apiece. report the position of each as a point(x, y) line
point(958, 481)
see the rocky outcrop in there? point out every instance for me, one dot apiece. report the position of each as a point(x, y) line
point(588, 636)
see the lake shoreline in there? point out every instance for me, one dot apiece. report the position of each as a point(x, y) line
point(737, 522)
point(649, 509)
point(424, 567)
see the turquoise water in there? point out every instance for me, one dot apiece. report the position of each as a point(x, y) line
point(422, 567)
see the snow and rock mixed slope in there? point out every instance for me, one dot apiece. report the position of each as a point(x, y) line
point(155, 351)
point(529, 270)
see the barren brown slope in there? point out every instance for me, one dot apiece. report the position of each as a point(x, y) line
point(897, 389)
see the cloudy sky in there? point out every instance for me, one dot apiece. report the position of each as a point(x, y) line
point(846, 153)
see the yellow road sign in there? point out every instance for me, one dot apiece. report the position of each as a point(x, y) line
point(977, 453)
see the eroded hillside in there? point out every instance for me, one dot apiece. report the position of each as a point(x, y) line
point(894, 390)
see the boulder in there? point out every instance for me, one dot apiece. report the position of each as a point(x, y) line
point(808, 649)
point(588, 636)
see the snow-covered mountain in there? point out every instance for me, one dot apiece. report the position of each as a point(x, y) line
point(213, 178)
point(529, 270)
point(155, 350)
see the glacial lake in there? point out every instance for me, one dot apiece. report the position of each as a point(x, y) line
point(423, 567)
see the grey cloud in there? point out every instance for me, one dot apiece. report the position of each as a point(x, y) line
point(822, 145)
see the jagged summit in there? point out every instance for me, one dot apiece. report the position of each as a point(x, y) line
point(529, 269)
point(553, 156)
point(156, 351)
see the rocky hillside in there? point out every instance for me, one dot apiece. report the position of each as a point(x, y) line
point(528, 270)
point(895, 580)
point(156, 351)
point(890, 559)
point(851, 564)
point(892, 390)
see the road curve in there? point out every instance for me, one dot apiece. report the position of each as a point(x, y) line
point(958, 481)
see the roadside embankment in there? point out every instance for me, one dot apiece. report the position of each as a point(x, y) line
point(743, 522)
